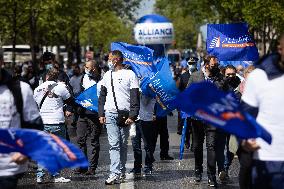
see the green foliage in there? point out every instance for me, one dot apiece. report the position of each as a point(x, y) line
point(66, 22)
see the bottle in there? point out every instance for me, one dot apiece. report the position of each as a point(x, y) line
point(132, 130)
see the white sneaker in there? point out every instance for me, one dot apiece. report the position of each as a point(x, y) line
point(39, 180)
point(114, 179)
point(61, 180)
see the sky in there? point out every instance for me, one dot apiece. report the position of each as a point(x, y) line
point(146, 7)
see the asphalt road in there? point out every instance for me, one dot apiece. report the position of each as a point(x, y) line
point(167, 174)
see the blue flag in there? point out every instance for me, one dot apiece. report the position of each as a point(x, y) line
point(182, 140)
point(231, 42)
point(48, 150)
point(222, 110)
point(88, 99)
point(164, 87)
point(140, 58)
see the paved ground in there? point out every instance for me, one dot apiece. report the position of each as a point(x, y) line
point(168, 174)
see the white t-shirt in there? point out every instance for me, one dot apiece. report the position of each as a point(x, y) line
point(88, 82)
point(75, 82)
point(268, 97)
point(123, 81)
point(10, 118)
point(52, 107)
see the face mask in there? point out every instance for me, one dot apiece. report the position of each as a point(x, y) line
point(88, 72)
point(110, 65)
point(214, 70)
point(192, 67)
point(233, 81)
point(48, 66)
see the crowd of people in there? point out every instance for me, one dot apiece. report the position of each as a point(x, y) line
point(47, 99)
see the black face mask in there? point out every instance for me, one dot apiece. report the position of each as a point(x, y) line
point(233, 82)
point(214, 71)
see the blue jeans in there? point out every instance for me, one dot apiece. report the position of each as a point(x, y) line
point(58, 130)
point(117, 138)
point(268, 174)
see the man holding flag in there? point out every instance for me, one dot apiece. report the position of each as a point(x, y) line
point(89, 120)
point(263, 98)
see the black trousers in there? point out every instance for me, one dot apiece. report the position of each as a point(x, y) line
point(200, 130)
point(245, 174)
point(162, 130)
point(146, 131)
point(89, 125)
point(10, 182)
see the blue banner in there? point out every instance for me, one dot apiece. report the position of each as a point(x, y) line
point(140, 58)
point(50, 151)
point(164, 88)
point(231, 42)
point(182, 140)
point(220, 109)
point(88, 99)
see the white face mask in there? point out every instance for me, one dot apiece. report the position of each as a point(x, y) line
point(110, 65)
point(88, 72)
point(192, 67)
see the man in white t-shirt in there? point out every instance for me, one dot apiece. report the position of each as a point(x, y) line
point(18, 110)
point(51, 97)
point(119, 91)
point(263, 97)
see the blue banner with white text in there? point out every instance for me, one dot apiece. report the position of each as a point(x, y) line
point(140, 58)
point(231, 42)
point(88, 99)
point(220, 109)
point(50, 151)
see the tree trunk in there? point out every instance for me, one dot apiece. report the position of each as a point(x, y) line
point(14, 37)
point(78, 47)
point(33, 34)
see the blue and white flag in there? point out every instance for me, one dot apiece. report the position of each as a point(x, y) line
point(88, 99)
point(50, 151)
point(140, 58)
point(164, 88)
point(220, 109)
point(231, 42)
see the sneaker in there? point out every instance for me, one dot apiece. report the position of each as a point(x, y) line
point(212, 182)
point(167, 157)
point(122, 177)
point(91, 171)
point(148, 172)
point(61, 180)
point(39, 180)
point(135, 172)
point(197, 176)
point(114, 179)
point(222, 176)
